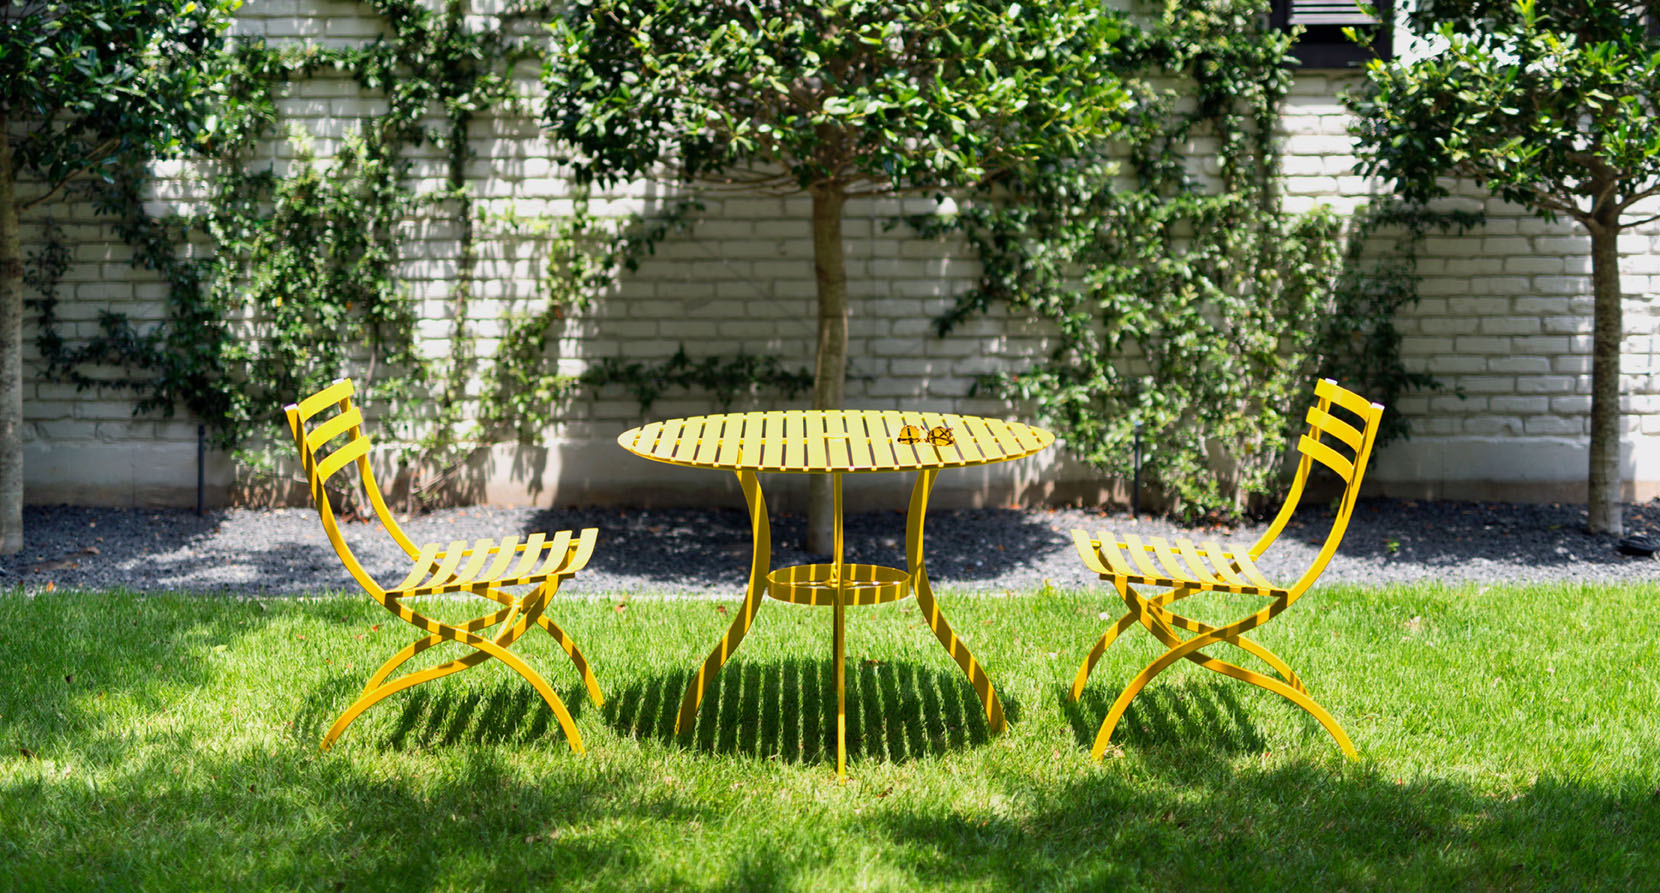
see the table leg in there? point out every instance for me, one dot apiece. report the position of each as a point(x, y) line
point(931, 610)
point(839, 640)
point(760, 562)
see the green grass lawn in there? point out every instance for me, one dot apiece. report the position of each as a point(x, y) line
point(1509, 738)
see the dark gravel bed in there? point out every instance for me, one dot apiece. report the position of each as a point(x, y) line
point(283, 551)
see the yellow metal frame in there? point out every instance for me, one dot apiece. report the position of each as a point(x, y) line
point(836, 442)
point(840, 585)
point(1185, 570)
point(483, 569)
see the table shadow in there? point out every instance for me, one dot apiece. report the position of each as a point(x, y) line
point(786, 709)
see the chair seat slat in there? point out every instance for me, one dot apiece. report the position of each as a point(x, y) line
point(1196, 563)
point(556, 553)
point(1167, 558)
point(1138, 554)
point(1088, 551)
point(423, 564)
point(532, 552)
point(1250, 572)
point(584, 551)
point(447, 564)
point(475, 563)
point(1114, 558)
point(1219, 561)
point(504, 557)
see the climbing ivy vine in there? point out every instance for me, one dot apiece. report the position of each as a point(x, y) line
point(287, 273)
point(1186, 300)
point(1189, 303)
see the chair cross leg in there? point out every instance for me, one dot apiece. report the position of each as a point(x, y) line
point(1147, 611)
point(1171, 618)
point(1158, 622)
point(516, 619)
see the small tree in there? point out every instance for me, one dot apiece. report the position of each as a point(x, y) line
point(837, 99)
point(86, 86)
point(1550, 104)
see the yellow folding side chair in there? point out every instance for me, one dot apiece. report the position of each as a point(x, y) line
point(1185, 569)
point(484, 569)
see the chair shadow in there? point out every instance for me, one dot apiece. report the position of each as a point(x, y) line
point(786, 710)
point(1194, 712)
point(434, 714)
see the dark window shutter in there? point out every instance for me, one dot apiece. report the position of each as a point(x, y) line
point(1322, 43)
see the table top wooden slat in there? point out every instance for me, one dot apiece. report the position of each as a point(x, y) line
point(795, 441)
point(860, 454)
point(645, 436)
point(712, 436)
point(830, 441)
point(817, 440)
point(981, 434)
point(970, 446)
point(667, 437)
point(1000, 429)
point(685, 446)
point(731, 441)
point(751, 453)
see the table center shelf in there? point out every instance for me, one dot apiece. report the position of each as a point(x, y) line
point(816, 584)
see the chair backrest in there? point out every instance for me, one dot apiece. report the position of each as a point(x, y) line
point(327, 448)
point(1339, 444)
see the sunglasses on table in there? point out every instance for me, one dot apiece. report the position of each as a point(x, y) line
point(938, 436)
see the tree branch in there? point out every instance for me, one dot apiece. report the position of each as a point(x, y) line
point(1636, 197)
point(1650, 219)
point(98, 155)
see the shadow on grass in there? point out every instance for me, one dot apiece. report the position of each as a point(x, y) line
point(437, 714)
point(136, 803)
point(896, 711)
point(1180, 820)
point(1201, 710)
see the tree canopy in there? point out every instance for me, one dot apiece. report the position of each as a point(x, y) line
point(874, 95)
point(86, 87)
point(836, 99)
point(1550, 104)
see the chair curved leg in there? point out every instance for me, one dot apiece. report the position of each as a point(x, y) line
point(1107, 638)
point(569, 644)
point(484, 647)
point(760, 563)
point(1291, 688)
point(535, 607)
point(1094, 656)
point(1170, 640)
point(371, 697)
point(930, 608)
point(1184, 649)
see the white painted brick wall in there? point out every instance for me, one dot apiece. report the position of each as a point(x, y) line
point(1504, 319)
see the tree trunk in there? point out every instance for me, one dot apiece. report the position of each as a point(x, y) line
point(1603, 505)
point(11, 357)
point(830, 363)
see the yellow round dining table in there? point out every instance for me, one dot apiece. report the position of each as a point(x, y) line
point(836, 442)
